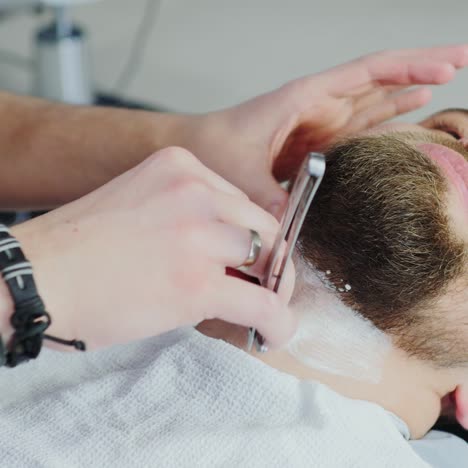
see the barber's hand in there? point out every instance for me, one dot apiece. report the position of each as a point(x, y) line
point(275, 131)
point(147, 253)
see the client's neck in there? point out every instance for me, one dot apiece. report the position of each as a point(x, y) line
point(335, 346)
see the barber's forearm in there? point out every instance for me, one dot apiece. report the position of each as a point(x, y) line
point(52, 153)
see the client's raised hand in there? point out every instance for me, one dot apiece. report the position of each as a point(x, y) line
point(147, 253)
point(273, 132)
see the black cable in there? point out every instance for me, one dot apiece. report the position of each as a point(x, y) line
point(140, 41)
point(77, 344)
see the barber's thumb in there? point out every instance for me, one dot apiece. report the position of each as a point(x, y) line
point(250, 305)
point(278, 323)
point(272, 197)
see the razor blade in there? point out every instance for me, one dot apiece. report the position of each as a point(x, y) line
point(302, 193)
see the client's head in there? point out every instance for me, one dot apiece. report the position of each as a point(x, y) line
point(388, 233)
point(382, 273)
point(391, 220)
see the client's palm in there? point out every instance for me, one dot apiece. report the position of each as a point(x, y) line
point(273, 132)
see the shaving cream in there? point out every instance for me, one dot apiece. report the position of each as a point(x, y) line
point(332, 337)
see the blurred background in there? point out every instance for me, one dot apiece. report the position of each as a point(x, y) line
point(200, 55)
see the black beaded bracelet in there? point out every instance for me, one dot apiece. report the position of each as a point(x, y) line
point(30, 319)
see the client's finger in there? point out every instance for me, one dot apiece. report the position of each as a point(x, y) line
point(250, 305)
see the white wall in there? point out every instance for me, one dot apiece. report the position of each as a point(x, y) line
point(205, 54)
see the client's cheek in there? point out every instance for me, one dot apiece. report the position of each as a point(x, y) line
point(461, 401)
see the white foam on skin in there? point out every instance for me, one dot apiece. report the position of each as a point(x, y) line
point(332, 337)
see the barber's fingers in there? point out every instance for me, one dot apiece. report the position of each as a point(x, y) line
point(390, 107)
point(269, 194)
point(243, 303)
point(408, 73)
point(401, 103)
point(432, 65)
point(392, 68)
point(179, 168)
point(242, 212)
point(457, 55)
point(374, 97)
point(229, 246)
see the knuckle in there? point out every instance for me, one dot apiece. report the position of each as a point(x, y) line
point(180, 155)
point(173, 156)
point(190, 189)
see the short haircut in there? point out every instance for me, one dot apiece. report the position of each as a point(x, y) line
point(379, 222)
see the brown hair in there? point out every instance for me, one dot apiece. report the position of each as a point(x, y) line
point(379, 222)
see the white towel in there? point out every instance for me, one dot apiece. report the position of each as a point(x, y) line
point(442, 450)
point(185, 400)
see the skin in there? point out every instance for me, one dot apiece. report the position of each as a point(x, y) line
point(103, 266)
point(412, 389)
point(88, 146)
point(143, 226)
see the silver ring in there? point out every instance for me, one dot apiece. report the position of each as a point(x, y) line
point(254, 251)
